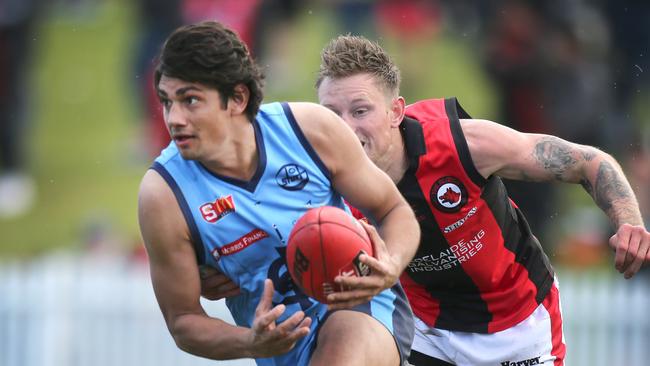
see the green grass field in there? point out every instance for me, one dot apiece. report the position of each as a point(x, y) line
point(86, 152)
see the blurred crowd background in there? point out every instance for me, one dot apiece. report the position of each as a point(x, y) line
point(80, 122)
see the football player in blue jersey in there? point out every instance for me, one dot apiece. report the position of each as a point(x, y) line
point(213, 199)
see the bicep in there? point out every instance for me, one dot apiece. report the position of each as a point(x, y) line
point(502, 151)
point(172, 261)
point(365, 186)
point(353, 174)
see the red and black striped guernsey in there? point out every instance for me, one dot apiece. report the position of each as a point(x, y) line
point(478, 267)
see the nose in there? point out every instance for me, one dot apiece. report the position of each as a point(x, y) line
point(174, 116)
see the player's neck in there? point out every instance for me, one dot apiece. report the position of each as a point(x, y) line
point(236, 156)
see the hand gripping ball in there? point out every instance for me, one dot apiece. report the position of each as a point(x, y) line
point(326, 242)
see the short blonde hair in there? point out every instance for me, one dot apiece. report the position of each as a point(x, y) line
point(350, 55)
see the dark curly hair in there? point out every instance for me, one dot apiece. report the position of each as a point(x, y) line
point(213, 55)
point(350, 55)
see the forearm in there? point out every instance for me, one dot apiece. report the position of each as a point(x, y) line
point(211, 338)
point(401, 233)
point(605, 182)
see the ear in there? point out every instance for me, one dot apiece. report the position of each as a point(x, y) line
point(239, 101)
point(397, 109)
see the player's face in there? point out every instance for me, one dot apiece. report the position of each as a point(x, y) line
point(365, 106)
point(194, 116)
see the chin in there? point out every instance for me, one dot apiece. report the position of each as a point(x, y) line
point(188, 154)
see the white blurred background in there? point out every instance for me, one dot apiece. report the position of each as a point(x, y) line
point(64, 310)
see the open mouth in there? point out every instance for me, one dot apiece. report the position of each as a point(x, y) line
point(181, 138)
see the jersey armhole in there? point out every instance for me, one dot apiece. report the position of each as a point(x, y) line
point(197, 243)
point(453, 109)
point(303, 140)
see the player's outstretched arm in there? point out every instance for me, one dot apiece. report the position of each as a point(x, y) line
point(369, 189)
point(499, 150)
point(175, 278)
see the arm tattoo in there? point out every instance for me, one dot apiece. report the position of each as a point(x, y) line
point(588, 155)
point(609, 186)
point(555, 156)
point(614, 196)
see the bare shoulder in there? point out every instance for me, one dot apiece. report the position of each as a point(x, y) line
point(482, 131)
point(490, 144)
point(159, 215)
point(314, 118)
point(326, 132)
point(154, 191)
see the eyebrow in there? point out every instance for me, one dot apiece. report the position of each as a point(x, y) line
point(184, 90)
point(179, 91)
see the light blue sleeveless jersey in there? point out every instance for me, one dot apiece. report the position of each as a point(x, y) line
point(241, 227)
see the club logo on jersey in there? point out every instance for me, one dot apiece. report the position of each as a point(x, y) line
point(241, 243)
point(448, 194)
point(213, 211)
point(292, 177)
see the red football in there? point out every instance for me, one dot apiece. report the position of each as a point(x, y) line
point(326, 242)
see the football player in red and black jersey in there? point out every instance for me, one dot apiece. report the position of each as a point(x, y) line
point(481, 287)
